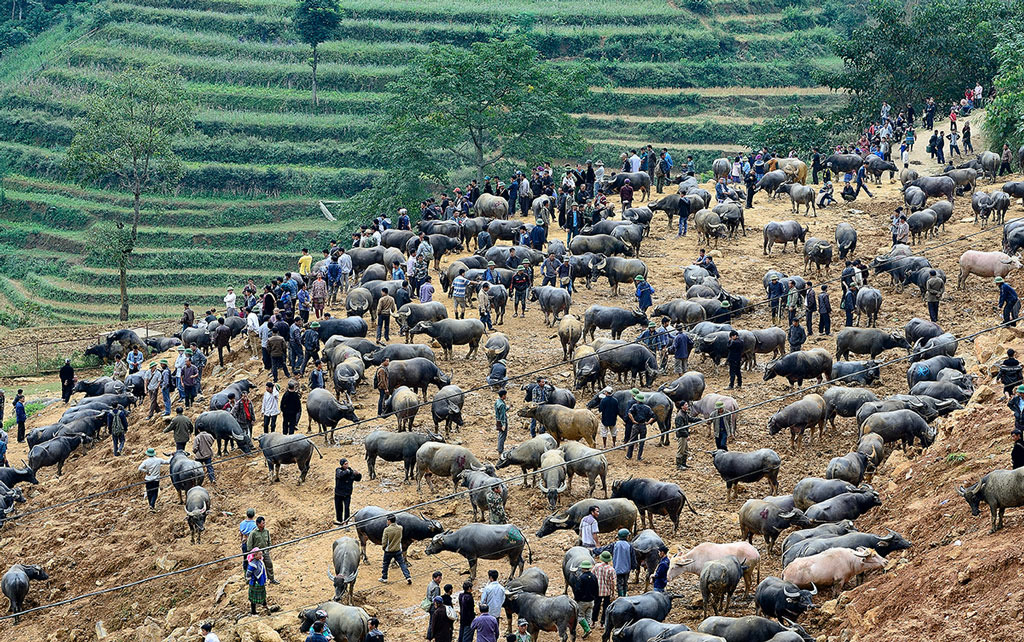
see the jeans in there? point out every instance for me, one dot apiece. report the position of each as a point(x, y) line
point(167, 401)
point(384, 323)
point(220, 354)
point(398, 557)
point(502, 435)
point(683, 222)
point(548, 280)
point(849, 318)
point(118, 443)
point(267, 362)
point(269, 423)
point(380, 402)
point(519, 301)
point(152, 490)
point(295, 355)
point(635, 433)
point(208, 462)
point(311, 356)
point(190, 394)
point(722, 440)
point(599, 606)
point(341, 507)
point(485, 318)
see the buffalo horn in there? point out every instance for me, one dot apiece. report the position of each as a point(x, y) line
point(330, 575)
point(814, 589)
point(788, 515)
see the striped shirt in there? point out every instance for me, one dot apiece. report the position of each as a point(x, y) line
point(459, 287)
point(605, 579)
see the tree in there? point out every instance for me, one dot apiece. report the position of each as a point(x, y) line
point(495, 101)
point(907, 52)
point(794, 131)
point(126, 138)
point(316, 21)
point(1004, 116)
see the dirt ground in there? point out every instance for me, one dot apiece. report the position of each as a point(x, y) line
point(942, 586)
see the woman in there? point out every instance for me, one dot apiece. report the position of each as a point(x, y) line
point(256, 574)
point(910, 139)
point(441, 624)
point(966, 135)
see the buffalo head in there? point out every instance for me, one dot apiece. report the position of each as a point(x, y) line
point(553, 523)
point(436, 544)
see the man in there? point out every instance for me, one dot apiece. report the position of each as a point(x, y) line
point(318, 377)
point(793, 301)
point(538, 393)
point(810, 306)
point(305, 263)
point(797, 336)
point(493, 593)
point(311, 345)
point(391, 543)
point(188, 317)
point(484, 305)
point(644, 293)
point(373, 633)
point(260, 538)
point(1016, 405)
point(584, 591)
point(815, 165)
point(166, 384)
point(1017, 454)
point(776, 292)
point(381, 383)
point(934, 288)
point(117, 426)
point(467, 611)
point(589, 528)
point(189, 375)
point(434, 587)
point(67, 381)
point(295, 344)
point(426, 293)
point(150, 468)
point(849, 303)
point(824, 312)
point(181, 429)
point(495, 506)
point(245, 527)
point(485, 625)
point(120, 370)
point(1008, 301)
point(849, 272)
point(682, 345)
point(385, 308)
point(605, 574)
point(202, 449)
point(549, 270)
point(222, 339)
point(623, 561)
point(608, 408)
point(153, 381)
point(1005, 158)
point(521, 634)
point(634, 162)
point(901, 230)
point(345, 269)
point(660, 579)
point(520, 290)
point(277, 349)
point(344, 477)
point(626, 195)
point(243, 412)
point(720, 427)
point(734, 357)
point(682, 422)
point(134, 360)
point(458, 293)
point(252, 333)
point(230, 306)
point(501, 419)
point(208, 634)
point(638, 416)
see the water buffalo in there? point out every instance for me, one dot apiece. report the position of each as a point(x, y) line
point(646, 629)
point(605, 244)
point(941, 390)
point(99, 386)
point(239, 388)
point(709, 226)
point(185, 473)
point(479, 483)
point(818, 252)
point(834, 567)
point(11, 476)
point(552, 480)
point(899, 425)
point(527, 454)
point(929, 369)
point(653, 497)
point(614, 514)
point(626, 610)
point(418, 374)
point(564, 423)
point(800, 195)
point(784, 232)
point(483, 541)
point(883, 545)
point(225, 429)
point(542, 613)
point(444, 460)
point(570, 331)
point(737, 467)
point(552, 300)
point(730, 213)
point(751, 627)
point(531, 580)
point(935, 186)
point(1000, 489)
point(982, 204)
point(781, 599)
point(693, 561)
point(585, 462)
point(347, 327)
point(55, 452)
point(632, 358)
point(391, 446)
point(15, 583)
point(684, 311)
point(1000, 204)
point(197, 507)
point(822, 531)
point(617, 269)
point(638, 180)
point(758, 517)
point(867, 341)
point(922, 222)
point(631, 234)
point(345, 622)
point(915, 198)
point(771, 182)
point(842, 163)
point(446, 406)
point(846, 239)
point(876, 166)
point(800, 365)
point(989, 164)
point(719, 580)
point(452, 332)
point(845, 402)
point(985, 264)
point(286, 449)
point(800, 416)
point(370, 522)
point(688, 387)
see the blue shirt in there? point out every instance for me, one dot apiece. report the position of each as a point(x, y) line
point(247, 526)
point(1007, 295)
point(682, 346)
point(19, 411)
point(622, 554)
point(486, 627)
point(644, 294)
point(397, 274)
point(668, 158)
point(660, 579)
point(609, 408)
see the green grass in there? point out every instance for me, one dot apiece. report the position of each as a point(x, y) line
point(31, 408)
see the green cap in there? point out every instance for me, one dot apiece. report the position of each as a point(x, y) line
point(490, 263)
point(651, 324)
point(188, 351)
point(725, 304)
point(151, 452)
point(634, 391)
point(526, 261)
point(623, 533)
point(520, 268)
point(1020, 388)
point(606, 556)
point(163, 361)
point(638, 277)
point(998, 279)
point(315, 324)
point(152, 364)
point(585, 564)
point(719, 404)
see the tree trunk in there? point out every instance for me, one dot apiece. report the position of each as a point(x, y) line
point(479, 161)
point(123, 270)
point(316, 59)
point(126, 253)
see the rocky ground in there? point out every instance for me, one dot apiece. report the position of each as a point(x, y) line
point(957, 582)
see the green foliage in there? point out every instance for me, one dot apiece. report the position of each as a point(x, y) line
point(906, 53)
point(316, 21)
point(492, 101)
point(1004, 116)
point(956, 458)
point(794, 131)
point(31, 408)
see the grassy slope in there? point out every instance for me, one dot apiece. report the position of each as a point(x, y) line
point(263, 154)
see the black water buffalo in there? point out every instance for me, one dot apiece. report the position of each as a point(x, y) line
point(929, 369)
point(841, 163)
point(446, 406)
point(483, 541)
point(185, 473)
point(941, 390)
point(915, 198)
point(627, 610)
point(371, 521)
point(391, 446)
point(107, 353)
point(882, 544)
point(99, 386)
point(747, 468)
point(451, 332)
point(784, 232)
point(605, 244)
point(617, 270)
point(751, 627)
point(637, 180)
point(632, 358)
point(327, 412)
point(653, 497)
point(645, 629)
point(55, 452)
point(239, 388)
point(398, 352)
point(542, 613)
point(688, 387)
point(781, 599)
point(610, 318)
point(412, 313)
point(876, 166)
point(850, 467)
point(1000, 489)
point(823, 531)
point(845, 506)
point(552, 300)
point(527, 454)
point(225, 429)
point(417, 374)
point(856, 373)
point(899, 425)
point(683, 311)
point(801, 365)
point(845, 402)
point(286, 449)
point(614, 514)
point(197, 507)
point(347, 327)
point(162, 344)
point(632, 235)
point(846, 239)
point(15, 583)
point(867, 341)
point(771, 182)
point(718, 580)
point(935, 186)
point(11, 476)
point(758, 517)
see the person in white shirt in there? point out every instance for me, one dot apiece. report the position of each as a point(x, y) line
point(208, 634)
point(264, 332)
point(345, 263)
point(634, 162)
point(252, 330)
point(589, 528)
point(151, 469)
point(271, 407)
point(229, 303)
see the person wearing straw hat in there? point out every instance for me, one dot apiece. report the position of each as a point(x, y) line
point(150, 467)
point(1008, 301)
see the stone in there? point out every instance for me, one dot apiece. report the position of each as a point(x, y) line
point(101, 631)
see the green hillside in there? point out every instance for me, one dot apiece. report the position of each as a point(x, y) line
point(690, 79)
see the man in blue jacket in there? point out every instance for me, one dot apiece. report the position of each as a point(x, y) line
point(1008, 301)
point(849, 302)
point(681, 347)
point(776, 294)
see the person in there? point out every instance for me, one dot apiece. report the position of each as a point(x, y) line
point(623, 561)
point(644, 293)
point(277, 350)
point(426, 293)
point(181, 429)
point(824, 312)
point(222, 339)
point(849, 303)
point(720, 427)
point(270, 407)
point(521, 634)
point(344, 477)
point(385, 308)
point(608, 408)
point(467, 611)
point(797, 336)
point(67, 381)
point(1016, 405)
point(291, 408)
point(605, 574)
point(626, 195)
point(681, 423)
point(316, 632)
point(1008, 301)
point(259, 538)
point(495, 506)
point(485, 625)
point(734, 358)
point(188, 317)
point(589, 528)
point(3, 402)
point(538, 393)
point(493, 593)
point(373, 632)
point(682, 345)
point(208, 634)
point(549, 270)
point(311, 345)
point(584, 591)
point(501, 419)
point(776, 291)
point(1005, 158)
point(440, 626)
point(1010, 373)
point(242, 412)
point(153, 381)
point(458, 293)
point(934, 288)
point(134, 360)
point(660, 579)
point(1017, 454)
point(966, 135)
point(117, 426)
point(940, 142)
point(245, 527)
point(20, 416)
point(520, 290)
point(638, 416)
point(391, 544)
point(484, 305)
point(150, 467)
point(380, 382)
point(120, 370)
point(256, 575)
point(900, 230)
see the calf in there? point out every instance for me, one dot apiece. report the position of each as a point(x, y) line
point(694, 560)
point(15, 584)
point(805, 414)
point(781, 599)
point(718, 580)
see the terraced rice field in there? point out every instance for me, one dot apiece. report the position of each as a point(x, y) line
point(263, 154)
